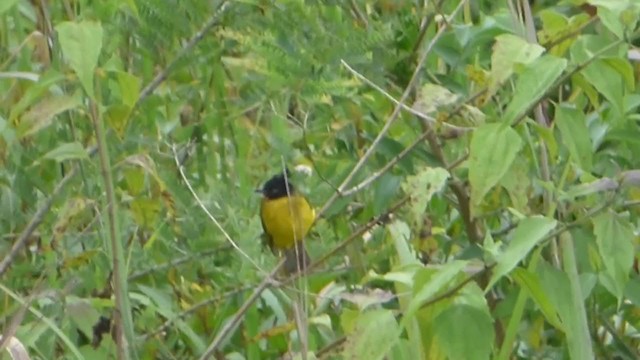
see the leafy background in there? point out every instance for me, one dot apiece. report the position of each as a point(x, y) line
point(474, 163)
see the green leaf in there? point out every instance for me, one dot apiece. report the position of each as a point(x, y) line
point(615, 244)
point(375, 333)
point(400, 234)
point(67, 151)
point(624, 68)
point(422, 186)
point(607, 81)
point(42, 114)
point(493, 149)
point(465, 332)
point(81, 45)
point(129, 88)
point(6, 5)
point(427, 284)
point(509, 50)
point(537, 78)
point(575, 134)
point(526, 236)
point(531, 283)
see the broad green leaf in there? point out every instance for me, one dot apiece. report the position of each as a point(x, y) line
point(624, 68)
point(615, 243)
point(129, 88)
point(81, 45)
point(517, 182)
point(375, 333)
point(427, 284)
point(525, 237)
point(537, 78)
point(531, 283)
point(67, 151)
point(509, 50)
point(6, 5)
point(433, 98)
point(465, 332)
point(422, 186)
point(42, 114)
point(575, 135)
point(493, 149)
point(612, 21)
point(117, 117)
point(607, 81)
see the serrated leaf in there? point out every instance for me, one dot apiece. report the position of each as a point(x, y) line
point(537, 78)
point(375, 333)
point(465, 332)
point(433, 98)
point(422, 186)
point(509, 50)
point(614, 238)
point(575, 135)
point(81, 45)
point(493, 149)
point(67, 151)
point(525, 237)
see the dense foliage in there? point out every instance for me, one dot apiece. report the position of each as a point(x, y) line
point(474, 164)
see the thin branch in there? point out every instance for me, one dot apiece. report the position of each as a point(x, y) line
point(37, 218)
point(122, 316)
point(206, 211)
point(390, 121)
point(177, 262)
point(162, 76)
point(231, 325)
point(195, 308)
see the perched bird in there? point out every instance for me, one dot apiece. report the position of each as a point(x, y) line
point(286, 218)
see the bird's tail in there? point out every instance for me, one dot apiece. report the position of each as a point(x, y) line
point(296, 258)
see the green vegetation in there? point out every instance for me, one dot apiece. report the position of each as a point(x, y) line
point(475, 164)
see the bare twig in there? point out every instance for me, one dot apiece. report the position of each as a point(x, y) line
point(213, 21)
point(206, 211)
point(37, 219)
point(195, 308)
point(230, 326)
point(391, 120)
point(177, 262)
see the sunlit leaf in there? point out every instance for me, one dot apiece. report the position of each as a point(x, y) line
point(532, 84)
point(465, 332)
point(525, 237)
point(81, 45)
point(493, 148)
point(375, 333)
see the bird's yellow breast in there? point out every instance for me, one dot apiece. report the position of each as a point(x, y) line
point(286, 220)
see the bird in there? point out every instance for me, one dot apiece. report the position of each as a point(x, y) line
point(286, 217)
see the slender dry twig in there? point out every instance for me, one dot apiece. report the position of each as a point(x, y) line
point(195, 308)
point(37, 218)
point(231, 325)
point(392, 118)
point(206, 211)
point(213, 21)
point(176, 262)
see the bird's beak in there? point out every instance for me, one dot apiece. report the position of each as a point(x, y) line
point(258, 191)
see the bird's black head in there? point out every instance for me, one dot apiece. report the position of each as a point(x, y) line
point(277, 187)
